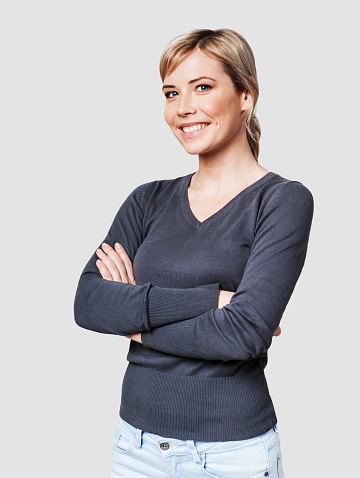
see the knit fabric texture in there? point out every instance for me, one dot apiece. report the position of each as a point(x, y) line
point(199, 372)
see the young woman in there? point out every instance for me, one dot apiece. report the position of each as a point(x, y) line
point(197, 272)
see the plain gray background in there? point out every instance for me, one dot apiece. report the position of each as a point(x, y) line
point(81, 126)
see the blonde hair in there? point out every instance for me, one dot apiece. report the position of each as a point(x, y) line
point(237, 58)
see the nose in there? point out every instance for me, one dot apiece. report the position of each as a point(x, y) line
point(186, 105)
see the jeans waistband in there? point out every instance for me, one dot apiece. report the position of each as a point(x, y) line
point(169, 445)
point(166, 445)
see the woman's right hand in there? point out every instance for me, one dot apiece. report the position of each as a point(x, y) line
point(224, 299)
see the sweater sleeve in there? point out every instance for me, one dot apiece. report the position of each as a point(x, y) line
point(119, 308)
point(244, 328)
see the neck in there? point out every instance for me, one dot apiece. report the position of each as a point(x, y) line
point(228, 168)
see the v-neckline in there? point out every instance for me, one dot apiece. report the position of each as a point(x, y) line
point(190, 216)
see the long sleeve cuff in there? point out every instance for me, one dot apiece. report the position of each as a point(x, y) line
point(175, 339)
point(180, 304)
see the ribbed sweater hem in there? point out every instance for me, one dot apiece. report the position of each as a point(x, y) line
point(237, 407)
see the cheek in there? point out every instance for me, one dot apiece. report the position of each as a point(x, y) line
point(217, 108)
point(229, 114)
point(169, 115)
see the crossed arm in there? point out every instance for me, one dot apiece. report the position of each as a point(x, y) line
point(115, 265)
point(200, 322)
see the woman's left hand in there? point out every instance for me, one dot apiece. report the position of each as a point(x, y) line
point(114, 264)
point(277, 332)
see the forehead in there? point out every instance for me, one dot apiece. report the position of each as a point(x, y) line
point(195, 65)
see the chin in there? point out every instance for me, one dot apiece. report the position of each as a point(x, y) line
point(195, 149)
point(192, 151)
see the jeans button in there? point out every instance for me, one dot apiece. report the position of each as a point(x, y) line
point(164, 446)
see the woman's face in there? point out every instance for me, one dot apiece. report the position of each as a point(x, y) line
point(202, 106)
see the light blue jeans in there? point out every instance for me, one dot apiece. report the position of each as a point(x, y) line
point(139, 454)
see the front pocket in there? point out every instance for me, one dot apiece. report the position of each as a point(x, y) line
point(205, 468)
point(245, 461)
point(123, 441)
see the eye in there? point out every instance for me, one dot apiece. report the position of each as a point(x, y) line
point(203, 88)
point(171, 94)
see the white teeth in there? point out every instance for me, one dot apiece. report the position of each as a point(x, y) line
point(190, 129)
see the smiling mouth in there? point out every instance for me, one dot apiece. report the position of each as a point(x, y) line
point(194, 127)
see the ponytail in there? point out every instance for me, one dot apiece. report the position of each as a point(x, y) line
point(253, 133)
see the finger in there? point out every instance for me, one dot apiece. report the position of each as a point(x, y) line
point(136, 337)
point(105, 274)
point(117, 260)
point(127, 262)
point(277, 332)
point(111, 267)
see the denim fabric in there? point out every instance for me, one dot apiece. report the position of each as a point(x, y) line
point(139, 454)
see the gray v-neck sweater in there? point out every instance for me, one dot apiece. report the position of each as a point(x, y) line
point(199, 372)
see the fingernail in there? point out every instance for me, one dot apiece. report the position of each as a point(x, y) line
point(117, 245)
point(104, 244)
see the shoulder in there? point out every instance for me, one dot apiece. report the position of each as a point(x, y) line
point(157, 190)
point(284, 204)
point(283, 191)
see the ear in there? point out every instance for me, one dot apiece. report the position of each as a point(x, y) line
point(245, 100)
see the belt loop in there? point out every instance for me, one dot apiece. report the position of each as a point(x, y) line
point(138, 438)
point(194, 452)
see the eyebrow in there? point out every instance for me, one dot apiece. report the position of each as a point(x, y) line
point(191, 81)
